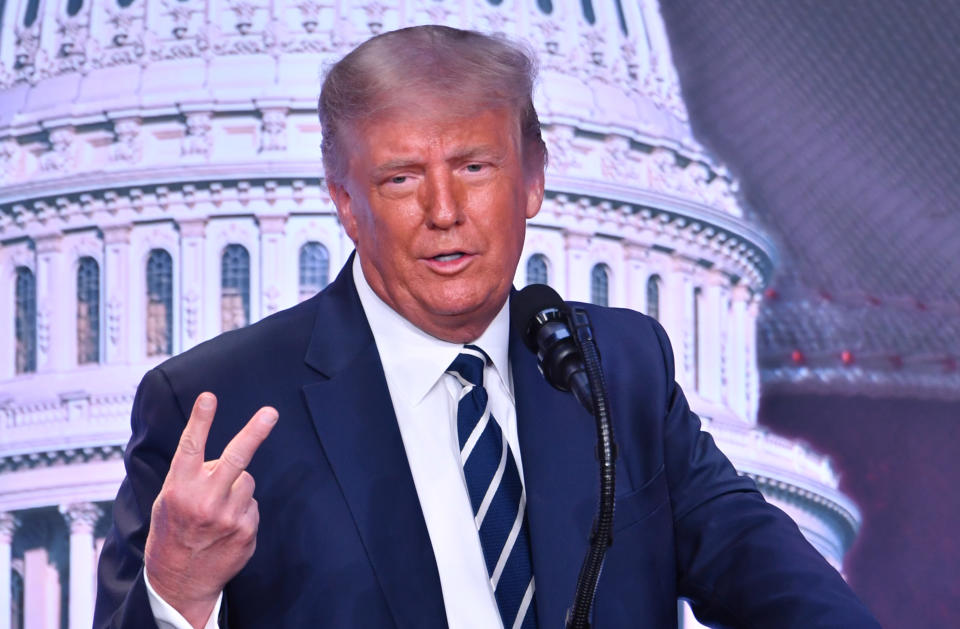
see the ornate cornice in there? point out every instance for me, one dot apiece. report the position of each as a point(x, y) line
point(56, 458)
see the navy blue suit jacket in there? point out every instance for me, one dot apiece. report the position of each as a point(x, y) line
point(342, 540)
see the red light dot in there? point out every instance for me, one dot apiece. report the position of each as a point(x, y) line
point(797, 357)
point(847, 357)
point(771, 294)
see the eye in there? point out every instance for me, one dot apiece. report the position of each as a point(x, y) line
point(474, 168)
point(398, 179)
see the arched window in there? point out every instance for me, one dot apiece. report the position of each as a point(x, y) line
point(124, 3)
point(588, 13)
point(159, 303)
point(314, 269)
point(88, 311)
point(621, 18)
point(537, 269)
point(73, 7)
point(546, 6)
point(30, 15)
point(234, 288)
point(25, 320)
point(653, 296)
point(600, 285)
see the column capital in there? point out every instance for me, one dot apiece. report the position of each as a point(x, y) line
point(740, 292)
point(81, 517)
point(683, 266)
point(576, 240)
point(48, 243)
point(636, 251)
point(8, 525)
point(716, 278)
point(193, 227)
point(272, 224)
point(117, 234)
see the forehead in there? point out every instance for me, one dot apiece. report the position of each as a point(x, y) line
point(435, 128)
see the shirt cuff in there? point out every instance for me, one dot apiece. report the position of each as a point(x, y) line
point(169, 618)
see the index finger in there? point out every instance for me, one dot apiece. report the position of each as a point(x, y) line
point(189, 454)
point(239, 452)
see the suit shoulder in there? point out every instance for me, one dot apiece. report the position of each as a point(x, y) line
point(632, 340)
point(625, 324)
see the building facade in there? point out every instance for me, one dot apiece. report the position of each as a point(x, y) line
point(160, 182)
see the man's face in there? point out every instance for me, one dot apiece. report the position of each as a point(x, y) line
point(437, 207)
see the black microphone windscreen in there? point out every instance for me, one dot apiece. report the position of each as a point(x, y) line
point(526, 304)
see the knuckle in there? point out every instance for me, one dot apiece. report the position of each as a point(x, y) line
point(246, 482)
point(226, 521)
point(234, 459)
point(207, 512)
point(248, 529)
point(189, 444)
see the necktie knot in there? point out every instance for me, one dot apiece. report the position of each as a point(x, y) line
point(468, 365)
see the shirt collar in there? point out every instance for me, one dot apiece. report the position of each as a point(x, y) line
point(415, 360)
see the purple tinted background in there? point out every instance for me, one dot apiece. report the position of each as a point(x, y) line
point(841, 121)
point(899, 461)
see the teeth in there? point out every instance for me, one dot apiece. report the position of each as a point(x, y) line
point(448, 257)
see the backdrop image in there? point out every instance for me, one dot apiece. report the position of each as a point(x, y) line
point(774, 182)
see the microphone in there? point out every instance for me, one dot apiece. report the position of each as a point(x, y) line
point(539, 316)
point(562, 338)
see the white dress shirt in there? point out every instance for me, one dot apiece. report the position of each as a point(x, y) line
point(425, 402)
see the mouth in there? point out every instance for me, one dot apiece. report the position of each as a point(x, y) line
point(448, 257)
point(450, 263)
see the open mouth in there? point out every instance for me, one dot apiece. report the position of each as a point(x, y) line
point(449, 257)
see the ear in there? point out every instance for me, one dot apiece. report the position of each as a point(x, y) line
point(342, 200)
point(535, 185)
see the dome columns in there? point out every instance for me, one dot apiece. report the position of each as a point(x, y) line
point(636, 262)
point(117, 270)
point(577, 246)
point(56, 345)
point(192, 237)
point(81, 518)
point(737, 358)
point(8, 524)
point(710, 321)
point(272, 230)
point(677, 316)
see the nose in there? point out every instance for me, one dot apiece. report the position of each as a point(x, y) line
point(442, 200)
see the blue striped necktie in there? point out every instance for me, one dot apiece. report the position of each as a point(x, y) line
point(496, 493)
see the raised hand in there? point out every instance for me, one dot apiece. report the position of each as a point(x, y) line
point(203, 527)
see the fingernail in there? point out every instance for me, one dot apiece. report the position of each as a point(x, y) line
point(269, 417)
point(206, 401)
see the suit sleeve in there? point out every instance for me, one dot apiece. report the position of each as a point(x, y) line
point(740, 560)
point(157, 421)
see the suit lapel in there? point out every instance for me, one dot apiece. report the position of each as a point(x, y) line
point(354, 418)
point(557, 439)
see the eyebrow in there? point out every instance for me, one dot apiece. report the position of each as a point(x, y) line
point(462, 155)
point(485, 151)
point(394, 164)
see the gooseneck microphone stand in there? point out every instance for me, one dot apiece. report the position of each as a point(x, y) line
point(562, 338)
point(578, 616)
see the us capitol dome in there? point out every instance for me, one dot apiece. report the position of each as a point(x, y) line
point(160, 182)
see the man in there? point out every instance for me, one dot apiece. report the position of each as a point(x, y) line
point(422, 473)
